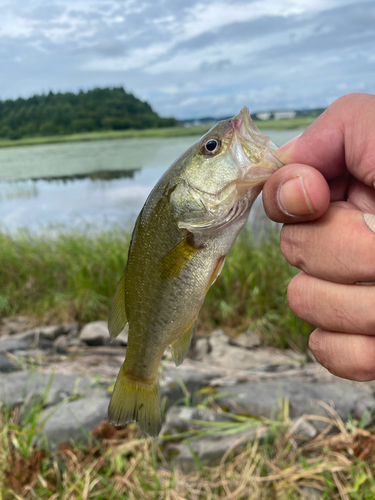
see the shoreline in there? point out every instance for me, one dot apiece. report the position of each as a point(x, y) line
point(147, 133)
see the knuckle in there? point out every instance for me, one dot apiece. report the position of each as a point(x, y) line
point(288, 243)
point(316, 345)
point(292, 245)
point(296, 296)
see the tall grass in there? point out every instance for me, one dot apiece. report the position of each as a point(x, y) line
point(65, 275)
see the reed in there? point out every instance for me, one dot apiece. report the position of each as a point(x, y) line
point(71, 275)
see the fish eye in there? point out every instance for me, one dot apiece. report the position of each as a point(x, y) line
point(211, 146)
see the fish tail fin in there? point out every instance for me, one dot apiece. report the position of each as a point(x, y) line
point(135, 401)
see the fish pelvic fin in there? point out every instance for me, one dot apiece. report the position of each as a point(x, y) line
point(181, 346)
point(117, 314)
point(136, 401)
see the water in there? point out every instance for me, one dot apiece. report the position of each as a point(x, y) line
point(98, 182)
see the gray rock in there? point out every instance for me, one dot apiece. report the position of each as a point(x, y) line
point(199, 348)
point(6, 365)
point(249, 340)
point(302, 428)
point(175, 382)
point(122, 338)
point(27, 341)
point(312, 493)
point(225, 355)
point(209, 450)
point(179, 419)
point(72, 420)
point(16, 387)
point(66, 341)
point(11, 345)
point(265, 398)
point(96, 334)
point(10, 326)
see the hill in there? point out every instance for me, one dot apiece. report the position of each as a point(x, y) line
point(69, 113)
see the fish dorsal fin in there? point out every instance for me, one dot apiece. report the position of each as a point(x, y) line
point(177, 258)
point(117, 314)
point(180, 347)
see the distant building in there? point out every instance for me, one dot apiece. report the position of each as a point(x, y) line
point(284, 115)
point(263, 116)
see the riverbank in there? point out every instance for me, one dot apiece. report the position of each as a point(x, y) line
point(295, 123)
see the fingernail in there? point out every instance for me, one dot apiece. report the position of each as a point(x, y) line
point(370, 221)
point(293, 198)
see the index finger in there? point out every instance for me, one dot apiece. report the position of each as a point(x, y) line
point(340, 139)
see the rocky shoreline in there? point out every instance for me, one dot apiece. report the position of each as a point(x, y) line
point(68, 370)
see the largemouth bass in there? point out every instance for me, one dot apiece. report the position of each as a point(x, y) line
point(180, 240)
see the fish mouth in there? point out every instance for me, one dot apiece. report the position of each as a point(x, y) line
point(252, 150)
point(248, 131)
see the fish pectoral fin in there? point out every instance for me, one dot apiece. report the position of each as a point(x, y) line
point(117, 314)
point(177, 258)
point(180, 347)
point(136, 401)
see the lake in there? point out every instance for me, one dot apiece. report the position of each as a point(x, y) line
point(95, 182)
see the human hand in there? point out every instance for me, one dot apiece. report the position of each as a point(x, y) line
point(325, 196)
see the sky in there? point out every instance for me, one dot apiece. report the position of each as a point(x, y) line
point(191, 58)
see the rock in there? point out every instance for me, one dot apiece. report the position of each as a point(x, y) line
point(25, 341)
point(66, 341)
point(6, 366)
point(226, 355)
point(10, 326)
point(72, 420)
point(179, 419)
point(265, 398)
point(176, 382)
point(302, 428)
point(209, 449)
point(199, 348)
point(312, 493)
point(96, 334)
point(11, 345)
point(16, 387)
point(249, 340)
point(122, 338)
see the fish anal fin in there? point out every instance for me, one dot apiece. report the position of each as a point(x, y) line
point(117, 314)
point(217, 270)
point(180, 347)
point(178, 258)
point(136, 401)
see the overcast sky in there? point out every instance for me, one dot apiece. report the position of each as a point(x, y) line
point(191, 58)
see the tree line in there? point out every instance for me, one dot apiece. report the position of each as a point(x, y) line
point(69, 113)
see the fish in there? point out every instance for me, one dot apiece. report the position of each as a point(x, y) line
point(182, 235)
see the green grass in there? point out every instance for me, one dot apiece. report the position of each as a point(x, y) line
point(66, 275)
point(154, 132)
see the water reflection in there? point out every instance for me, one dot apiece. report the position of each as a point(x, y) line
point(104, 175)
point(99, 183)
point(18, 190)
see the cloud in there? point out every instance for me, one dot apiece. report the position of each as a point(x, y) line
point(191, 58)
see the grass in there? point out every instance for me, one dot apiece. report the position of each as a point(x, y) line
point(70, 275)
point(120, 464)
point(154, 132)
